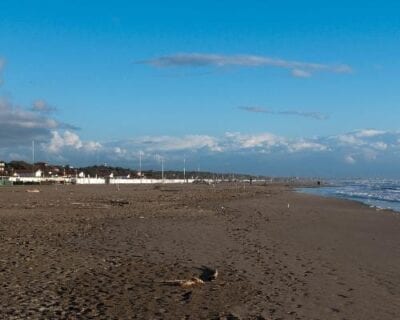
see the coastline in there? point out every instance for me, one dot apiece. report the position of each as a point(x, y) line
point(377, 204)
point(101, 252)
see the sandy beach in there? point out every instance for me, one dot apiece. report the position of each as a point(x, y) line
point(102, 252)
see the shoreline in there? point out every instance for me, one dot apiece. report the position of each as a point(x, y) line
point(102, 253)
point(365, 203)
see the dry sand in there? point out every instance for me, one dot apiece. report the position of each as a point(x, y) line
point(96, 252)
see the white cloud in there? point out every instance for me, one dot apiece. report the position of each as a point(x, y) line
point(41, 105)
point(169, 143)
point(245, 141)
point(359, 137)
point(307, 146)
point(367, 133)
point(56, 143)
point(268, 141)
point(379, 145)
point(366, 144)
point(119, 150)
point(297, 68)
point(230, 142)
point(349, 139)
point(298, 73)
point(70, 140)
point(350, 159)
point(92, 146)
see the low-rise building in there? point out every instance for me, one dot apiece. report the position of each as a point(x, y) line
point(28, 173)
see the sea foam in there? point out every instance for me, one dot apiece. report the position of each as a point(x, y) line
point(380, 193)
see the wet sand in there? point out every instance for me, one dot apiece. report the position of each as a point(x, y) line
point(98, 252)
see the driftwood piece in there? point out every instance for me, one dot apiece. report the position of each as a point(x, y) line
point(33, 190)
point(207, 275)
point(185, 283)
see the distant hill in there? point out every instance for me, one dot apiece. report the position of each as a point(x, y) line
point(155, 174)
point(105, 171)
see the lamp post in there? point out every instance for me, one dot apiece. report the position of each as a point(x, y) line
point(184, 170)
point(33, 158)
point(140, 165)
point(162, 169)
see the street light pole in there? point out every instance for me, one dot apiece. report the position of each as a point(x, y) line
point(162, 169)
point(140, 163)
point(33, 158)
point(184, 170)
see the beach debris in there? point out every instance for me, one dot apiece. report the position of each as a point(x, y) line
point(288, 205)
point(221, 210)
point(215, 275)
point(119, 202)
point(77, 203)
point(230, 316)
point(185, 283)
point(82, 205)
point(207, 275)
point(187, 296)
point(33, 190)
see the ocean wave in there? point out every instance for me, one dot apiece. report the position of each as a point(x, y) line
point(371, 196)
point(377, 193)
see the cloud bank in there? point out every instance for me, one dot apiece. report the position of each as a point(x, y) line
point(297, 68)
point(305, 114)
point(362, 152)
point(19, 126)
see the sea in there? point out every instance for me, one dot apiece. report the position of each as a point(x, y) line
point(378, 193)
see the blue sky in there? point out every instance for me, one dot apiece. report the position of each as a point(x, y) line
point(280, 88)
